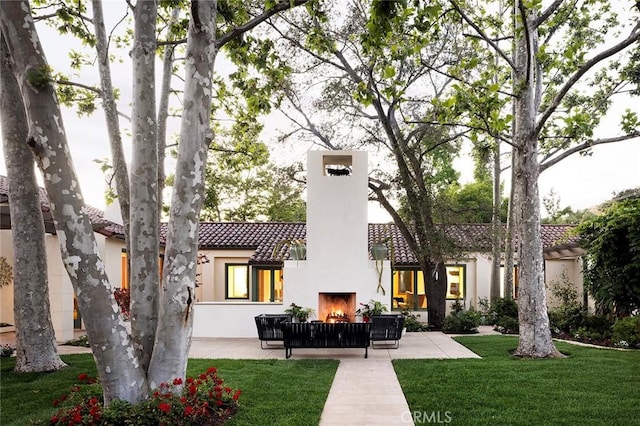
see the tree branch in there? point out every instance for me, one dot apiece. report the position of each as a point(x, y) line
point(482, 34)
point(544, 165)
point(237, 31)
point(547, 13)
point(633, 37)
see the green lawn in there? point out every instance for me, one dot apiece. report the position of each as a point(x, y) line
point(590, 387)
point(277, 392)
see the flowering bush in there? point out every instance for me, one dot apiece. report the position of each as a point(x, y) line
point(123, 299)
point(203, 400)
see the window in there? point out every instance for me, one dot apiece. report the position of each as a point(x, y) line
point(408, 290)
point(268, 287)
point(124, 268)
point(515, 281)
point(456, 282)
point(237, 280)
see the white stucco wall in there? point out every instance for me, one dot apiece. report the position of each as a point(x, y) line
point(559, 271)
point(60, 291)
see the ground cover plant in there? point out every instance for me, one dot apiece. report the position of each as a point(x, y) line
point(273, 391)
point(591, 386)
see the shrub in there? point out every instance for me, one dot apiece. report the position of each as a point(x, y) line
point(201, 400)
point(507, 325)
point(6, 351)
point(462, 322)
point(503, 314)
point(626, 332)
point(412, 323)
point(505, 308)
point(567, 318)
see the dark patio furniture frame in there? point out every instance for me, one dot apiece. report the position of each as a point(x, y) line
point(270, 329)
point(386, 328)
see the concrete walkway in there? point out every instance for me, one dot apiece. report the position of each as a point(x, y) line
point(363, 392)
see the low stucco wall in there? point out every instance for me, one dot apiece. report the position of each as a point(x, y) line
point(230, 319)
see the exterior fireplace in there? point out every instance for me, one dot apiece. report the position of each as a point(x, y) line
point(337, 307)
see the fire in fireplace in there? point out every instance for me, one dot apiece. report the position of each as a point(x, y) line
point(336, 307)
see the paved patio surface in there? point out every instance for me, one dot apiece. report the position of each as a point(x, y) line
point(382, 401)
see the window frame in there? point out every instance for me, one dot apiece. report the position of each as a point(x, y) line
point(272, 269)
point(463, 284)
point(415, 273)
point(226, 281)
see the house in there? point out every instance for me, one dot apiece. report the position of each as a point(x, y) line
point(247, 269)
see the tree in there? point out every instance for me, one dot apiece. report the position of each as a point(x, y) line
point(368, 74)
point(79, 250)
point(122, 372)
point(472, 203)
point(612, 262)
point(553, 114)
point(36, 349)
point(249, 190)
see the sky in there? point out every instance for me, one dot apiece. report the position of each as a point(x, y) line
point(579, 182)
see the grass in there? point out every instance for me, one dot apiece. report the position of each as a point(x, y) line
point(291, 392)
point(590, 387)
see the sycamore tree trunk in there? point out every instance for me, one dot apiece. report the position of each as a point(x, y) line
point(36, 349)
point(535, 334)
point(120, 172)
point(496, 227)
point(173, 338)
point(163, 103)
point(119, 371)
point(145, 217)
point(509, 239)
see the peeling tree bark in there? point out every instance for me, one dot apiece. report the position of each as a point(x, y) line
point(173, 338)
point(36, 349)
point(119, 371)
point(145, 232)
point(120, 172)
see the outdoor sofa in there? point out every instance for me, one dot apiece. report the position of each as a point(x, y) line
point(326, 335)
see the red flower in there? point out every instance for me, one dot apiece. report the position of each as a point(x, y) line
point(164, 407)
point(211, 370)
point(188, 410)
point(95, 411)
point(83, 376)
point(93, 401)
point(192, 389)
point(177, 381)
point(183, 400)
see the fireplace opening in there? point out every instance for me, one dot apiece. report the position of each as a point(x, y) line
point(337, 307)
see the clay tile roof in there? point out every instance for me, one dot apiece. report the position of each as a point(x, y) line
point(99, 223)
point(264, 237)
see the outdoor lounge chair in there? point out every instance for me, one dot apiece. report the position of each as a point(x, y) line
point(386, 328)
point(270, 328)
